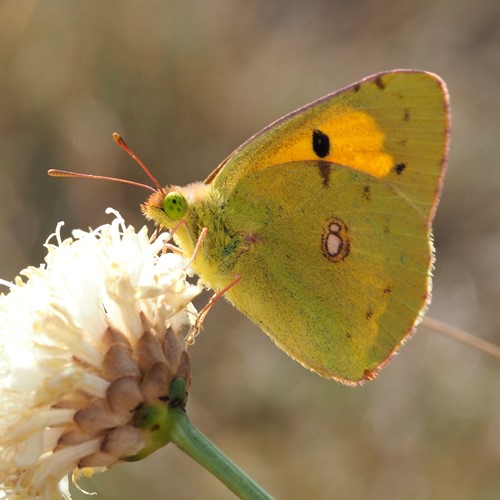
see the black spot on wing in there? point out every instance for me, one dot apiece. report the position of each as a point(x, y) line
point(320, 143)
point(399, 167)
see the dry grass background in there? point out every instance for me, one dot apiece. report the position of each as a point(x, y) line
point(185, 83)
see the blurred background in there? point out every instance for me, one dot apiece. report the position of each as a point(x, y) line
point(187, 82)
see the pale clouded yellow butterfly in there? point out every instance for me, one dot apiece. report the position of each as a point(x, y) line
point(325, 215)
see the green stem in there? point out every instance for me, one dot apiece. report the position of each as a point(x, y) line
point(190, 440)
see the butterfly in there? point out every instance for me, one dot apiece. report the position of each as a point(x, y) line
point(319, 226)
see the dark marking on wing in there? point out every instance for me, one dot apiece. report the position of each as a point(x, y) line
point(380, 83)
point(399, 167)
point(320, 143)
point(324, 171)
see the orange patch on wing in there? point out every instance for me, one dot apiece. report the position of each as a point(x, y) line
point(355, 141)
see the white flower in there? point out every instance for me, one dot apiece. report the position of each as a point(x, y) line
point(86, 339)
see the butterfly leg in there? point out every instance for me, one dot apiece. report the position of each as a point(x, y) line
point(202, 236)
point(202, 314)
point(166, 246)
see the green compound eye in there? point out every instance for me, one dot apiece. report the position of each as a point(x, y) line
point(174, 206)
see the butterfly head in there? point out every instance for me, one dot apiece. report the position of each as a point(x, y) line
point(167, 207)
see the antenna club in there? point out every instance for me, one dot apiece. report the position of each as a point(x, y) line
point(118, 139)
point(54, 172)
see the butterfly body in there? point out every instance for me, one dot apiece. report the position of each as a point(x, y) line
point(326, 217)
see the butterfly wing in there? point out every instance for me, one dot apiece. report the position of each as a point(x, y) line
point(386, 125)
point(335, 202)
point(336, 274)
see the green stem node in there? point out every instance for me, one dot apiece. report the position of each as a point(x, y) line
point(166, 421)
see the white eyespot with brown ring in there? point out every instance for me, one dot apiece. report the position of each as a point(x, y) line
point(335, 240)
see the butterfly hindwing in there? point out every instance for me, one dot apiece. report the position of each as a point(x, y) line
point(337, 273)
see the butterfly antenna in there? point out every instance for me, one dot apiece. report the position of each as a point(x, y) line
point(117, 138)
point(54, 172)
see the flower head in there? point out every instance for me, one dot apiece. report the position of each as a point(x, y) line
point(85, 340)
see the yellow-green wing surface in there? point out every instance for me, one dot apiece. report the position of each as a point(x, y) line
point(335, 202)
